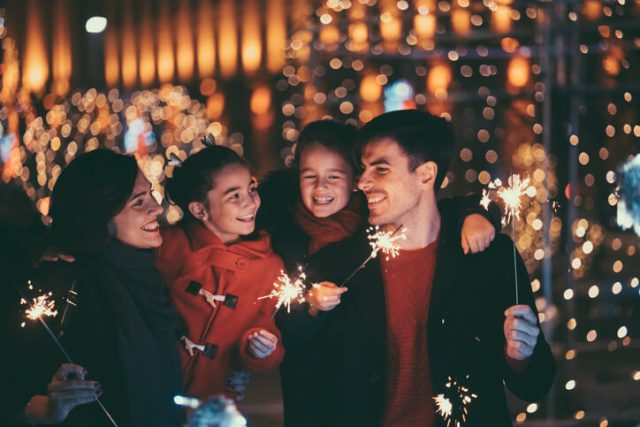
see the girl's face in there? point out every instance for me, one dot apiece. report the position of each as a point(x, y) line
point(137, 223)
point(326, 180)
point(231, 205)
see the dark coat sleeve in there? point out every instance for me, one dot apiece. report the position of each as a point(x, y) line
point(464, 206)
point(536, 379)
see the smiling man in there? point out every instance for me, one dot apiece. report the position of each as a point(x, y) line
point(411, 326)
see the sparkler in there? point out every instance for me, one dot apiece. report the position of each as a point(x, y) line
point(44, 306)
point(454, 414)
point(511, 197)
point(381, 241)
point(287, 290)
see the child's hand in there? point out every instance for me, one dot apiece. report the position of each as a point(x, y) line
point(477, 233)
point(262, 344)
point(237, 382)
point(325, 296)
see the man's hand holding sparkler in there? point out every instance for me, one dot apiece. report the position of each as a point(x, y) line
point(521, 332)
point(67, 389)
point(325, 296)
point(262, 344)
point(477, 233)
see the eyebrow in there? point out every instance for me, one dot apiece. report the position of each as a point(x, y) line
point(142, 193)
point(237, 188)
point(381, 161)
point(330, 170)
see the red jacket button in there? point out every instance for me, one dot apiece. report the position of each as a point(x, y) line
point(241, 263)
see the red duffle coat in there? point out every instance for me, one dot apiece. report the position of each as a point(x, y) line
point(193, 258)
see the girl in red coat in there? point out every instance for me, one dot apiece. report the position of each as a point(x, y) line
point(217, 266)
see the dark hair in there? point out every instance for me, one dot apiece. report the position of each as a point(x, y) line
point(421, 135)
point(335, 136)
point(196, 176)
point(91, 190)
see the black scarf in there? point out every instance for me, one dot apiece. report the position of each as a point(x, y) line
point(143, 330)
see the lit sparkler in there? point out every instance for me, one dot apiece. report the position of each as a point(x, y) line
point(287, 290)
point(44, 306)
point(381, 241)
point(454, 414)
point(511, 198)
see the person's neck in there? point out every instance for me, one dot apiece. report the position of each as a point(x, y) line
point(423, 225)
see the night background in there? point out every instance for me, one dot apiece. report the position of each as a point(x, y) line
point(546, 89)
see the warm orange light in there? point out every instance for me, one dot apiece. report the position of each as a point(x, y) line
point(370, 90)
point(390, 28)
point(358, 35)
point(206, 40)
point(61, 50)
point(330, 35)
point(424, 26)
point(518, 71)
point(592, 9)
point(147, 65)
point(129, 60)
point(261, 100)
point(215, 106)
point(11, 71)
point(276, 35)
point(227, 38)
point(111, 59)
point(461, 21)
point(251, 44)
point(166, 66)
point(184, 42)
point(438, 80)
point(502, 19)
point(35, 66)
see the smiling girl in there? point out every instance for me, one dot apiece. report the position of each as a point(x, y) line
point(217, 266)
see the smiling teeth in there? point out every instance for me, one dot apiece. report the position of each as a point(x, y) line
point(246, 218)
point(323, 199)
point(151, 227)
point(375, 199)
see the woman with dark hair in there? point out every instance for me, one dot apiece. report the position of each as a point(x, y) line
point(120, 327)
point(217, 267)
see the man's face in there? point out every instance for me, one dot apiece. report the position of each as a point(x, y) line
point(393, 192)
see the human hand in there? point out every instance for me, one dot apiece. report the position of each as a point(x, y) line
point(237, 383)
point(325, 296)
point(67, 389)
point(262, 344)
point(477, 233)
point(53, 254)
point(521, 331)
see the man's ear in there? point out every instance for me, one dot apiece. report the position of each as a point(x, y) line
point(199, 211)
point(427, 173)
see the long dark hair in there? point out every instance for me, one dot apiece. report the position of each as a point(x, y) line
point(92, 190)
point(196, 176)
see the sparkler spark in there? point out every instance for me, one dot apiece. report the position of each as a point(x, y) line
point(381, 241)
point(511, 196)
point(484, 202)
point(41, 306)
point(453, 407)
point(287, 290)
point(385, 241)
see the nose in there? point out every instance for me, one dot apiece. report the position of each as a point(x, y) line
point(364, 183)
point(154, 208)
point(322, 182)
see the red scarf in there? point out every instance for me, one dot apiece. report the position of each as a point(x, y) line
point(334, 228)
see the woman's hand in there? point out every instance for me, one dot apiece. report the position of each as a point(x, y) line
point(67, 389)
point(477, 233)
point(262, 344)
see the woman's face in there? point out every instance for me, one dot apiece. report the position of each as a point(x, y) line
point(326, 180)
point(137, 223)
point(232, 204)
